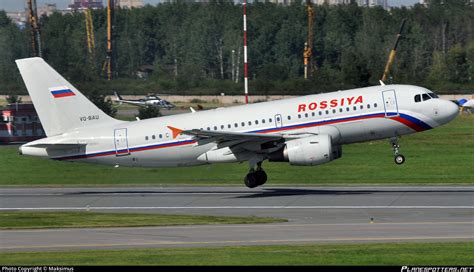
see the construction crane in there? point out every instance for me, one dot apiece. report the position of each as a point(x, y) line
point(34, 27)
point(108, 64)
point(90, 35)
point(393, 52)
point(308, 45)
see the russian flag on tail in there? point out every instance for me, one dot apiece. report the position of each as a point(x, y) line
point(63, 91)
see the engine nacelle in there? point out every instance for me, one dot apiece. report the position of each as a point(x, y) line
point(312, 150)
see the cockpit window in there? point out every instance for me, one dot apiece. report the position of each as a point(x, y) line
point(433, 95)
point(417, 98)
point(426, 97)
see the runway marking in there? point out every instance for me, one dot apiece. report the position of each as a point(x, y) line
point(240, 226)
point(233, 207)
point(246, 242)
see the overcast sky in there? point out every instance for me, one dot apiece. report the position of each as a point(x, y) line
point(18, 5)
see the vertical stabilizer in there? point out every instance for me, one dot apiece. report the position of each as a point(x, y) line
point(60, 106)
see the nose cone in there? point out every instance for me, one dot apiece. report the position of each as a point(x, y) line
point(447, 111)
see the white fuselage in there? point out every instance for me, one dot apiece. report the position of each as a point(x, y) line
point(347, 116)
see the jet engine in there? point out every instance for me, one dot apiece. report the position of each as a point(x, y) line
point(312, 150)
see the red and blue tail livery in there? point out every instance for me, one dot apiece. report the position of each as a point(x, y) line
point(59, 92)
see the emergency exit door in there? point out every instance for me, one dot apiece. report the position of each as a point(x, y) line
point(121, 142)
point(278, 121)
point(390, 103)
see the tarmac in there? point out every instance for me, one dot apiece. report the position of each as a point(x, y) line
point(315, 215)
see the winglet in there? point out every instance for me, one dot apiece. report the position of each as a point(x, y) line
point(176, 131)
point(381, 83)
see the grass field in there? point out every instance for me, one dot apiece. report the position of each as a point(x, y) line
point(40, 220)
point(440, 156)
point(348, 254)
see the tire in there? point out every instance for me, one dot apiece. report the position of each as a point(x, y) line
point(399, 159)
point(261, 177)
point(251, 180)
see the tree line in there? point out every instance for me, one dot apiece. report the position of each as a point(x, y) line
point(196, 48)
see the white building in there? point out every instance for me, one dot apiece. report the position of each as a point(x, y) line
point(130, 3)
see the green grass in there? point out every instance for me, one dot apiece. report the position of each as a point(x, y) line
point(345, 254)
point(440, 156)
point(40, 220)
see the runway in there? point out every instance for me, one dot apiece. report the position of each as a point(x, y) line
point(315, 215)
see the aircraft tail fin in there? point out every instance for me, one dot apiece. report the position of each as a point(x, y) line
point(60, 106)
point(117, 95)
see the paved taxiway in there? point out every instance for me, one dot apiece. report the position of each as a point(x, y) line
point(315, 214)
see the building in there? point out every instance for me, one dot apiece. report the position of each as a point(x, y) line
point(373, 3)
point(47, 9)
point(86, 4)
point(130, 3)
point(19, 123)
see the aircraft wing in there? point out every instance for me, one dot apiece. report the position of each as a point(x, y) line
point(227, 138)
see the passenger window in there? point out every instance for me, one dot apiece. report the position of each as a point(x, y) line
point(333, 110)
point(222, 126)
point(270, 120)
point(243, 124)
point(313, 113)
point(299, 116)
point(161, 135)
point(306, 115)
point(256, 122)
point(208, 128)
point(347, 109)
point(263, 121)
point(167, 135)
point(146, 138)
point(215, 127)
point(361, 107)
point(417, 98)
point(426, 97)
point(340, 109)
point(355, 108)
point(289, 117)
point(229, 126)
point(368, 106)
point(327, 112)
point(320, 113)
point(375, 105)
point(250, 123)
point(236, 125)
point(153, 137)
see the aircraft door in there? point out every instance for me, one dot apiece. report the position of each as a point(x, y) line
point(390, 103)
point(278, 121)
point(121, 142)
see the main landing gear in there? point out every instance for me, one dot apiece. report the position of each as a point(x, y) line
point(399, 158)
point(256, 176)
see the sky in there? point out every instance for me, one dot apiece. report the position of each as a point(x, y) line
point(19, 5)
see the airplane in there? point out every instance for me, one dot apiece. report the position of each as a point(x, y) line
point(308, 130)
point(149, 100)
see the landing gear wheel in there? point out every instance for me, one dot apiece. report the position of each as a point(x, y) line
point(399, 159)
point(261, 177)
point(251, 180)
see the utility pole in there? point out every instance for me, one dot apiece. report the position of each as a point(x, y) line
point(35, 29)
point(246, 80)
point(393, 52)
point(308, 45)
point(108, 64)
point(90, 35)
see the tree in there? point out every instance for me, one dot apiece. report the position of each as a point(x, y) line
point(148, 112)
point(102, 102)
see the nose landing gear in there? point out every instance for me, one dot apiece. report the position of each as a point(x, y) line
point(255, 177)
point(399, 158)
